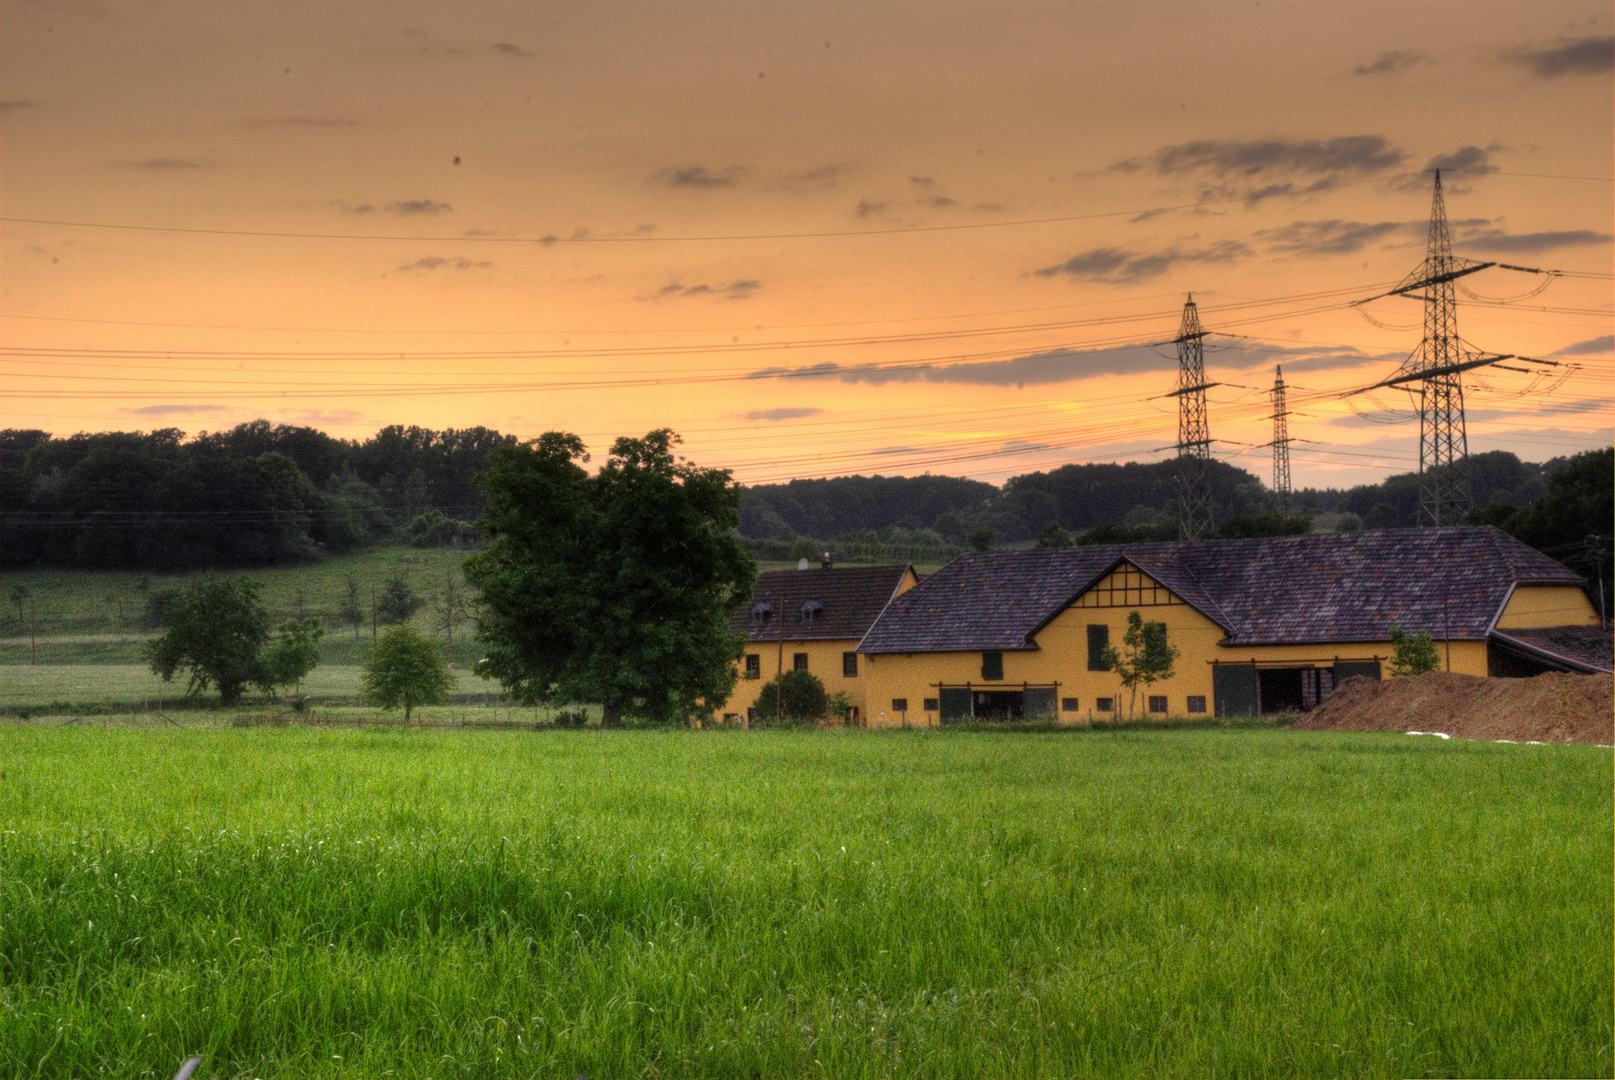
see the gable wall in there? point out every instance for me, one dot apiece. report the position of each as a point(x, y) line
point(1534, 606)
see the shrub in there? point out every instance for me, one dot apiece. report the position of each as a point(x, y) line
point(1412, 655)
point(804, 699)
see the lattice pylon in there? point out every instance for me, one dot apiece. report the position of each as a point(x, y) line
point(1194, 434)
point(1281, 443)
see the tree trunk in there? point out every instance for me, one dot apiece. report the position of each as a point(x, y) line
point(611, 715)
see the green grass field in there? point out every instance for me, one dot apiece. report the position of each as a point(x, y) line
point(294, 902)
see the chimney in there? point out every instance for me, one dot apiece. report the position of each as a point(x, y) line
point(825, 562)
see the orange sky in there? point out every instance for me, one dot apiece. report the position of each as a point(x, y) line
point(977, 220)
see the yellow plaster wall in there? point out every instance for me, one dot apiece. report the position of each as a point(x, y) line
point(824, 660)
point(1532, 606)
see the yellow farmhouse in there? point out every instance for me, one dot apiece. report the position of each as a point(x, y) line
point(1262, 625)
point(812, 620)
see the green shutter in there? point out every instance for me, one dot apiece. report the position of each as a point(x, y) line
point(1098, 642)
point(992, 666)
point(1234, 689)
point(955, 704)
point(1038, 703)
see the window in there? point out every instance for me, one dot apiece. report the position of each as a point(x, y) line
point(761, 613)
point(1068, 704)
point(1157, 703)
point(1197, 703)
point(992, 666)
point(1105, 704)
point(931, 705)
point(812, 611)
point(849, 664)
point(899, 704)
point(799, 661)
point(754, 666)
point(1098, 642)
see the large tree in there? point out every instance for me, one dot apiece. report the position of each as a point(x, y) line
point(615, 587)
point(217, 628)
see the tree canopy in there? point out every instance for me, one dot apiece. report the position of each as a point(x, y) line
point(217, 628)
point(615, 587)
point(406, 670)
point(1149, 656)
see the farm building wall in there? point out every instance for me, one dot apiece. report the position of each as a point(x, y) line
point(824, 659)
point(1533, 606)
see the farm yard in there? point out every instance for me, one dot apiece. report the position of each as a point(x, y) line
point(293, 901)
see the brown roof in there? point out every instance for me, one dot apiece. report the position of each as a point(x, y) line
point(1579, 648)
point(1326, 587)
point(818, 604)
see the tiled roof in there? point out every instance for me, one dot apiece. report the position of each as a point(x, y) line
point(848, 599)
point(1327, 587)
point(1582, 646)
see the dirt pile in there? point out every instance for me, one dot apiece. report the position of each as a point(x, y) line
point(1547, 708)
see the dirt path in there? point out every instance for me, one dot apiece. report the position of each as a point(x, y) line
point(1548, 708)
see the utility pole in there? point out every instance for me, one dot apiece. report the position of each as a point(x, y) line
point(1194, 435)
point(1281, 443)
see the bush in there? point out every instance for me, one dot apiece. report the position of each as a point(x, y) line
point(1412, 655)
point(804, 698)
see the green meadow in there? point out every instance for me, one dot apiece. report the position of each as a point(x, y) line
point(297, 902)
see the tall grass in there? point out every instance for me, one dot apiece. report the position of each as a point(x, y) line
point(488, 904)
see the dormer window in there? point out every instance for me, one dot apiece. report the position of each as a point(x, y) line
point(812, 612)
point(762, 613)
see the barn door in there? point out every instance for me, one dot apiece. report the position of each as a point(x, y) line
point(1234, 688)
point(955, 704)
point(1038, 703)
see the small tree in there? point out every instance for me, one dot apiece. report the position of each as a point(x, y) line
point(803, 697)
point(217, 628)
point(350, 611)
point(294, 653)
point(406, 669)
point(453, 605)
point(397, 601)
point(982, 539)
point(1148, 658)
point(1412, 655)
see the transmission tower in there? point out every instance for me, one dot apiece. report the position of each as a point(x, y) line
point(1281, 443)
point(1436, 366)
point(1194, 436)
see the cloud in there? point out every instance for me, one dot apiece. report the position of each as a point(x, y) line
point(166, 164)
point(1498, 242)
point(698, 176)
point(780, 414)
point(1116, 265)
point(260, 123)
point(1333, 236)
point(1390, 62)
point(175, 410)
point(1072, 365)
point(505, 48)
point(939, 201)
point(1350, 154)
point(823, 176)
point(735, 290)
point(866, 208)
point(1466, 159)
point(437, 262)
point(322, 417)
point(1570, 56)
point(408, 207)
point(1598, 346)
point(922, 181)
point(17, 106)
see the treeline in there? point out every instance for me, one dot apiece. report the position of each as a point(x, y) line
point(945, 510)
point(255, 495)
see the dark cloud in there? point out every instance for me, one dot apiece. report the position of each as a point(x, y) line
point(922, 181)
point(867, 208)
point(175, 410)
point(780, 414)
point(824, 176)
point(408, 207)
point(437, 262)
point(1598, 346)
point(1116, 265)
point(17, 106)
point(1498, 242)
point(505, 48)
point(260, 123)
point(1577, 56)
point(698, 176)
point(735, 290)
point(1069, 365)
point(166, 164)
point(1333, 237)
point(940, 201)
point(353, 208)
point(1350, 154)
point(1471, 159)
point(1394, 61)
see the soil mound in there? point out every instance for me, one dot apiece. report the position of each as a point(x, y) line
point(1546, 708)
